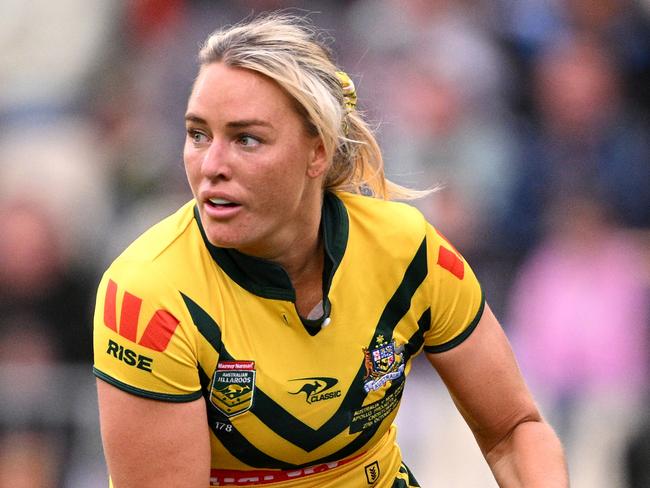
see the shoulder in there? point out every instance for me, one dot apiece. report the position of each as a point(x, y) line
point(156, 252)
point(154, 241)
point(384, 235)
point(383, 216)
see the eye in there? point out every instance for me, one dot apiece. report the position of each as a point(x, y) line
point(247, 140)
point(197, 136)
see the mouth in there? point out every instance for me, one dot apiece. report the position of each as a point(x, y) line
point(221, 203)
point(221, 208)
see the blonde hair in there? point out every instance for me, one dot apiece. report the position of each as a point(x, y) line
point(290, 51)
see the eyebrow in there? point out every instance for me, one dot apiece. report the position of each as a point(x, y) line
point(235, 124)
point(194, 118)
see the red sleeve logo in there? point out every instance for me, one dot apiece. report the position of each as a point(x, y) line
point(451, 260)
point(159, 330)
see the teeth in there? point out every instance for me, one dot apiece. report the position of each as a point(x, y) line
point(219, 201)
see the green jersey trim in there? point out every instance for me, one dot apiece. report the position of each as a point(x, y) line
point(167, 397)
point(463, 335)
point(269, 280)
point(417, 339)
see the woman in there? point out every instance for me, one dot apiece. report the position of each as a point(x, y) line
point(262, 334)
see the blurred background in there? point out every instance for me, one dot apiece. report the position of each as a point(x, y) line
point(532, 115)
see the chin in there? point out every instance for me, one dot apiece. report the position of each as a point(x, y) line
point(220, 240)
point(247, 237)
point(225, 239)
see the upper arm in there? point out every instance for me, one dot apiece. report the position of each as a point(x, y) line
point(152, 414)
point(150, 443)
point(485, 383)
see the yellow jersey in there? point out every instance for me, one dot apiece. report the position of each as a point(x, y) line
point(290, 401)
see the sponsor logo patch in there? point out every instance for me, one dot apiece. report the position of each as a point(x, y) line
point(317, 389)
point(128, 356)
point(383, 363)
point(372, 472)
point(233, 386)
point(159, 329)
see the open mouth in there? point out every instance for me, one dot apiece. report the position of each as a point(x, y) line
point(221, 203)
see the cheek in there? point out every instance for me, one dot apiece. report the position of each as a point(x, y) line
point(284, 185)
point(192, 166)
point(188, 157)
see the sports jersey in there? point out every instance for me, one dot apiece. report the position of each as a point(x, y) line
point(291, 402)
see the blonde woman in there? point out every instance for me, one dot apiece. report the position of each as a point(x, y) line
point(262, 335)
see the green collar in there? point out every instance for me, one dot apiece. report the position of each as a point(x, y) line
point(269, 280)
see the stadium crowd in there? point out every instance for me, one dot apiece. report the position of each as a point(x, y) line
point(530, 115)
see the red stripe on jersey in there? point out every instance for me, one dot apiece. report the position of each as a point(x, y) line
point(109, 305)
point(451, 262)
point(220, 477)
point(130, 315)
point(159, 331)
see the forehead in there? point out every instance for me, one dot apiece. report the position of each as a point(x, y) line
point(237, 92)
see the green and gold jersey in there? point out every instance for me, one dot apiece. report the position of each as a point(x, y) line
point(290, 401)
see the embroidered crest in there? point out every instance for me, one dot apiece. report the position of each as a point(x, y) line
point(233, 386)
point(383, 363)
point(372, 472)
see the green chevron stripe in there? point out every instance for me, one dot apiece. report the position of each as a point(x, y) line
point(400, 302)
point(417, 339)
point(282, 422)
point(234, 441)
point(241, 448)
point(295, 431)
point(204, 323)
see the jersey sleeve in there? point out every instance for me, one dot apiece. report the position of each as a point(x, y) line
point(456, 295)
point(142, 340)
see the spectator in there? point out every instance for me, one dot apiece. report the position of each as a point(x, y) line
point(584, 138)
point(579, 315)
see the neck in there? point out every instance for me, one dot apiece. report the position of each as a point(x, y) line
point(300, 252)
point(303, 260)
point(304, 265)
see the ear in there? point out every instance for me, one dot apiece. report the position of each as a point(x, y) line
point(318, 163)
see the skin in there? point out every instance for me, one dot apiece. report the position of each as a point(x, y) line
point(484, 381)
point(246, 144)
point(148, 444)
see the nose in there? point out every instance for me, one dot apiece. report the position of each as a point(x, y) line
point(215, 163)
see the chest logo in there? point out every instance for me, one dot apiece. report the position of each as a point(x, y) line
point(233, 386)
point(317, 389)
point(383, 363)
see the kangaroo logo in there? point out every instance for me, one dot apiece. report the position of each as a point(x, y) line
point(232, 391)
point(317, 388)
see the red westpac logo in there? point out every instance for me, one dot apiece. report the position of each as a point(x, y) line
point(159, 330)
point(451, 260)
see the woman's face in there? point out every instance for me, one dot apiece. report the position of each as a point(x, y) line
point(255, 173)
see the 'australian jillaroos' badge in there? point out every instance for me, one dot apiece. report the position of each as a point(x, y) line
point(233, 386)
point(383, 363)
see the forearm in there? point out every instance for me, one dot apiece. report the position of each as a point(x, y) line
point(531, 456)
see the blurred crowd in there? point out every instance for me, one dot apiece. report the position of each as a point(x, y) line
point(531, 116)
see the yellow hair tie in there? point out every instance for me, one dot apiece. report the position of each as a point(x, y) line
point(349, 91)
